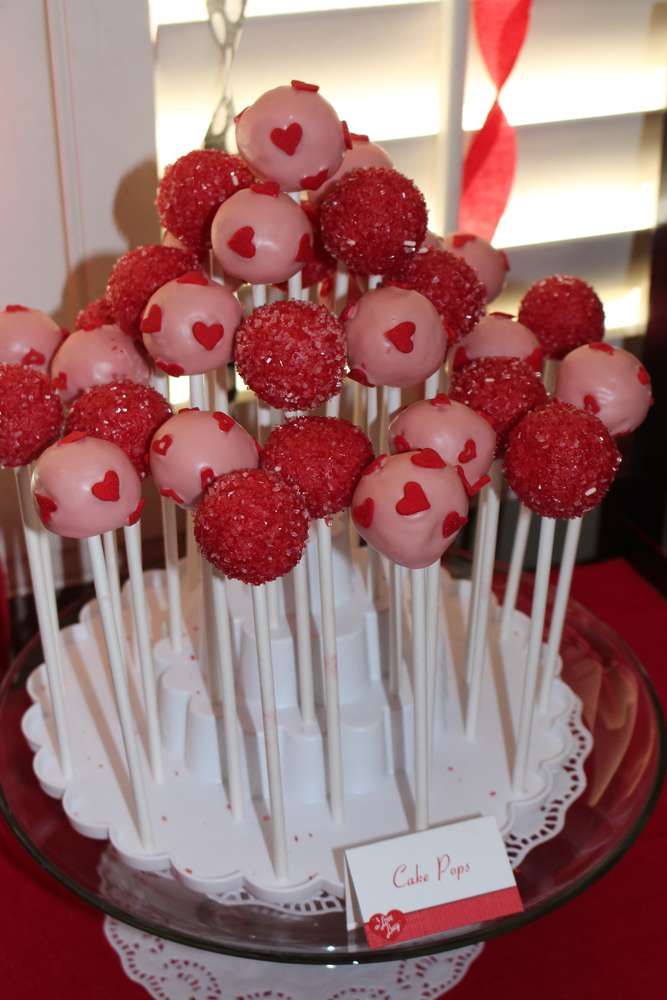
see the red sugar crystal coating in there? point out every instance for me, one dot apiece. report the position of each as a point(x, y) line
point(252, 526)
point(125, 413)
point(502, 389)
point(563, 313)
point(292, 354)
point(31, 414)
point(192, 190)
point(450, 284)
point(561, 461)
point(322, 456)
point(137, 274)
point(95, 314)
point(373, 219)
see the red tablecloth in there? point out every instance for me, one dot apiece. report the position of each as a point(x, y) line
point(607, 943)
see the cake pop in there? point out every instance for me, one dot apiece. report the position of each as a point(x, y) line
point(292, 354)
point(410, 506)
point(322, 456)
point(563, 313)
point(497, 335)
point(560, 461)
point(361, 152)
point(490, 265)
point(83, 486)
point(460, 436)
point(395, 337)
point(97, 357)
point(373, 220)
point(608, 382)
point(291, 135)
point(321, 264)
point(193, 448)
point(252, 526)
point(31, 414)
point(502, 389)
point(97, 313)
point(125, 413)
point(28, 337)
point(188, 325)
point(450, 284)
point(137, 274)
point(261, 235)
point(192, 190)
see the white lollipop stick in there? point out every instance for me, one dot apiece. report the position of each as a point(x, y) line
point(540, 591)
point(119, 678)
point(432, 384)
point(330, 667)
point(217, 389)
point(272, 603)
point(417, 579)
point(475, 575)
point(303, 642)
point(132, 535)
point(455, 31)
point(45, 606)
point(111, 559)
point(170, 534)
point(198, 392)
point(332, 408)
point(395, 628)
point(272, 748)
point(516, 565)
point(432, 639)
point(561, 598)
point(192, 560)
point(341, 288)
point(374, 280)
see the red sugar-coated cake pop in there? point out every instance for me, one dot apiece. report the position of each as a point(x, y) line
point(561, 461)
point(322, 456)
point(361, 153)
point(83, 486)
point(606, 381)
point(373, 220)
point(137, 274)
point(450, 284)
point(188, 325)
point(98, 357)
point(31, 414)
point(563, 313)
point(192, 190)
point(490, 265)
point(291, 135)
point(261, 235)
point(497, 335)
point(321, 265)
point(292, 354)
point(252, 526)
point(96, 314)
point(28, 337)
point(124, 413)
point(502, 389)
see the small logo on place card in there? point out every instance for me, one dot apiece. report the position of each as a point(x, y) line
point(387, 925)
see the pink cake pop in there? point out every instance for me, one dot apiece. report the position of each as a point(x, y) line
point(363, 153)
point(193, 448)
point(462, 437)
point(497, 335)
point(410, 506)
point(261, 235)
point(28, 337)
point(608, 382)
point(490, 265)
point(96, 357)
point(83, 486)
point(31, 414)
point(395, 337)
point(291, 135)
point(189, 324)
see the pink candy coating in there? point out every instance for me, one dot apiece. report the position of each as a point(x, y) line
point(395, 337)
point(490, 265)
point(497, 336)
point(292, 136)
point(362, 154)
point(459, 435)
point(28, 337)
point(410, 506)
point(193, 448)
point(190, 323)
point(608, 382)
point(261, 238)
point(83, 486)
point(97, 357)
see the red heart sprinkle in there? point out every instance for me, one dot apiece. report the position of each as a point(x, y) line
point(413, 501)
point(300, 85)
point(60, 381)
point(16, 309)
point(535, 358)
point(599, 345)
point(460, 358)
point(591, 404)
point(170, 367)
point(206, 476)
point(502, 314)
point(314, 181)
point(33, 357)
point(269, 188)
point(152, 320)
point(453, 523)
point(170, 494)
point(108, 489)
point(136, 513)
point(241, 242)
point(287, 139)
point(401, 336)
point(162, 445)
point(428, 458)
point(506, 263)
point(388, 925)
point(359, 137)
point(362, 514)
point(349, 312)
point(73, 437)
point(208, 334)
point(304, 253)
point(359, 375)
point(643, 376)
point(460, 239)
point(192, 278)
point(223, 420)
point(347, 138)
point(401, 443)
point(468, 452)
point(442, 399)
point(476, 487)
point(374, 466)
point(46, 505)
